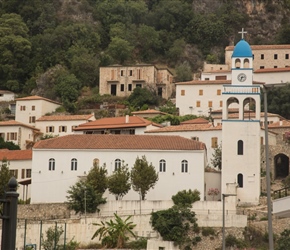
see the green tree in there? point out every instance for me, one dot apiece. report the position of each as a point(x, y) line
point(120, 49)
point(114, 233)
point(15, 49)
point(283, 241)
point(141, 96)
point(183, 72)
point(186, 198)
point(97, 178)
point(143, 176)
point(8, 144)
point(119, 182)
point(176, 224)
point(5, 176)
point(82, 197)
point(216, 159)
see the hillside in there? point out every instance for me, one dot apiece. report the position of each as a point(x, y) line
point(55, 48)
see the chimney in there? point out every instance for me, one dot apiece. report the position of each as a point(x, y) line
point(127, 119)
point(281, 123)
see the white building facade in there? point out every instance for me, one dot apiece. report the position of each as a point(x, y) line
point(59, 162)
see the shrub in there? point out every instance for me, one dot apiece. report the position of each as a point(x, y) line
point(186, 198)
point(206, 231)
point(232, 241)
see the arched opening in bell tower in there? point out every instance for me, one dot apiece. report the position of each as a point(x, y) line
point(281, 163)
point(237, 63)
point(249, 109)
point(232, 107)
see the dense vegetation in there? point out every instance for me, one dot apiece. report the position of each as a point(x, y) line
point(54, 48)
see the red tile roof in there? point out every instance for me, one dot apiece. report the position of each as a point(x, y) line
point(15, 123)
point(263, 47)
point(199, 120)
point(130, 142)
point(280, 124)
point(115, 122)
point(148, 111)
point(64, 117)
point(211, 82)
point(36, 97)
point(14, 155)
point(185, 127)
point(270, 70)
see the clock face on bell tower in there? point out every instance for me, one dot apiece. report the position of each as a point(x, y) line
point(242, 77)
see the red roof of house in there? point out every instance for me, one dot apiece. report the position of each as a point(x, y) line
point(148, 111)
point(185, 127)
point(36, 97)
point(15, 123)
point(280, 124)
point(211, 82)
point(64, 117)
point(14, 155)
point(199, 120)
point(130, 142)
point(115, 122)
point(271, 70)
point(263, 47)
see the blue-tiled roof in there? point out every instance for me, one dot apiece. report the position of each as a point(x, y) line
point(242, 49)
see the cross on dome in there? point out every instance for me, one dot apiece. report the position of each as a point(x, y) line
point(242, 32)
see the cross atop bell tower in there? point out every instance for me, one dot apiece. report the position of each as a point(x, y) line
point(242, 32)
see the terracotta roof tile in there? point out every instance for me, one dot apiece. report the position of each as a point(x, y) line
point(14, 155)
point(270, 70)
point(211, 82)
point(135, 142)
point(263, 47)
point(199, 120)
point(185, 127)
point(64, 117)
point(280, 124)
point(114, 122)
point(36, 97)
point(15, 123)
point(148, 111)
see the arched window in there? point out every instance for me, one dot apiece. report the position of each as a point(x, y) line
point(74, 164)
point(51, 164)
point(96, 161)
point(240, 180)
point(240, 147)
point(117, 164)
point(184, 166)
point(162, 166)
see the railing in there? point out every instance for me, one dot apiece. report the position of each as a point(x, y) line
point(280, 193)
point(251, 89)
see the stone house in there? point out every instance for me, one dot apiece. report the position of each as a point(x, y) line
point(121, 80)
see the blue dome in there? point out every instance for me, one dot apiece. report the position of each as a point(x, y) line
point(242, 49)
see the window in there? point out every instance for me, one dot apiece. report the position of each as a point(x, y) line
point(182, 92)
point(240, 147)
point(31, 119)
point(122, 87)
point(138, 85)
point(28, 173)
point(184, 166)
point(117, 164)
point(130, 72)
point(286, 56)
point(51, 164)
point(214, 142)
point(209, 104)
point(221, 103)
point(253, 56)
point(218, 92)
point(96, 162)
point(275, 56)
point(162, 166)
point(22, 173)
point(132, 131)
point(122, 72)
point(49, 129)
point(275, 67)
point(198, 104)
point(129, 87)
point(262, 140)
point(11, 136)
point(195, 138)
point(33, 107)
point(139, 74)
point(200, 92)
point(73, 127)
point(206, 78)
point(14, 172)
point(262, 56)
point(74, 164)
point(22, 108)
point(262, 67)
point(240, 180)
point(62, 129)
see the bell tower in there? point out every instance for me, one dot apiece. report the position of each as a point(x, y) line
point(241, 132)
